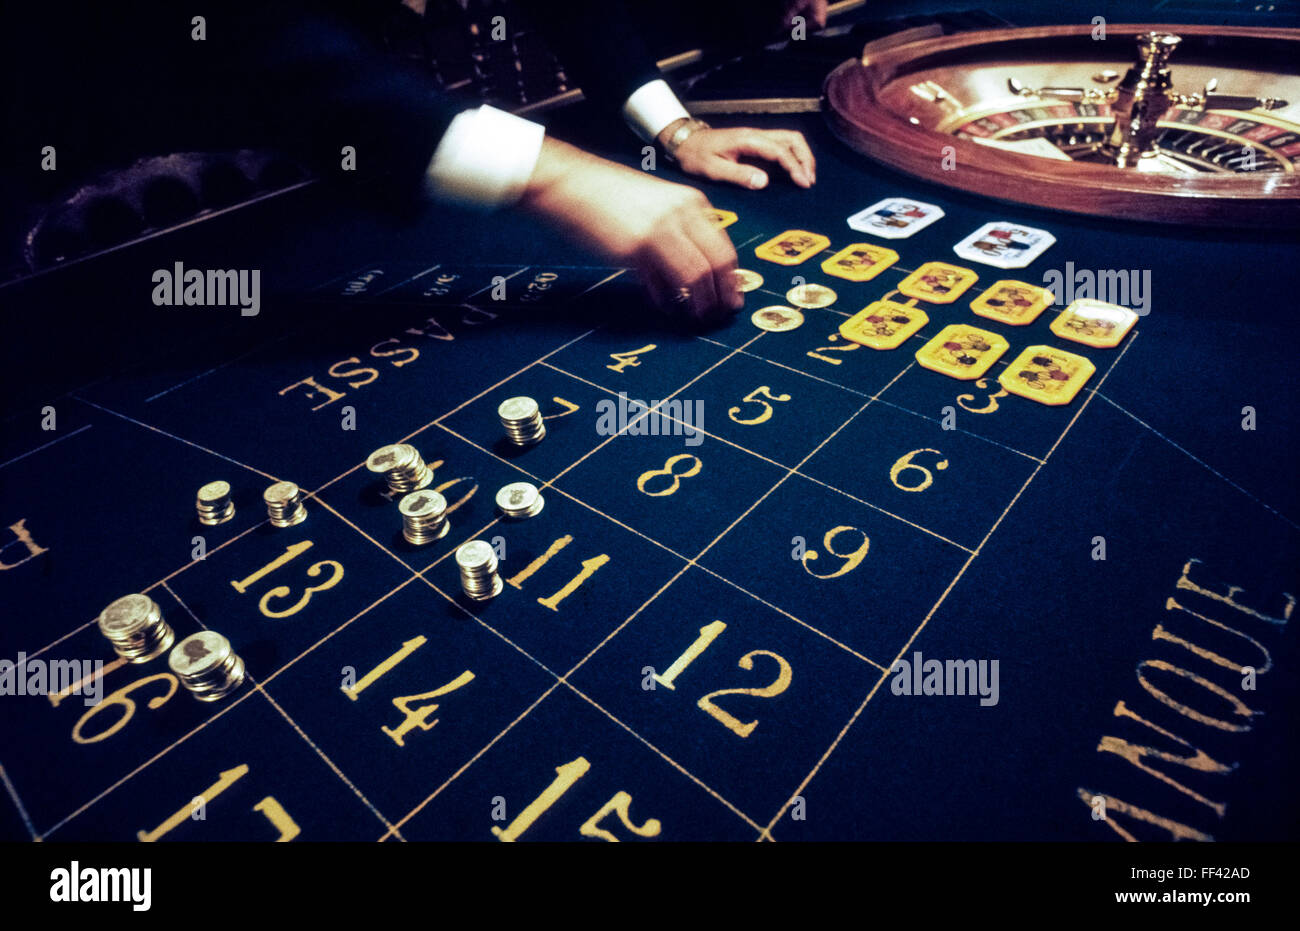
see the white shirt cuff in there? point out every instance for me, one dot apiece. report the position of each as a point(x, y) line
point(485, 158)
point(652, 107)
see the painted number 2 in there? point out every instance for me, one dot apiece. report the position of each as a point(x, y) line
point(708, 634)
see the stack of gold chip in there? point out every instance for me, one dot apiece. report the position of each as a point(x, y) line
point(424, 517)
point(284, 504)
point(214, 504)
point(205, 664)
point(520, 500)
point(478, 570)
point(402, 466)
point(134, 625)
point(522, 420)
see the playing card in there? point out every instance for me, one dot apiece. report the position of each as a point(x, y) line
point(895, 218)
point(1004, 245)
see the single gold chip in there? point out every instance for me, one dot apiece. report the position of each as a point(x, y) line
point(777, 319)
point(811, 296)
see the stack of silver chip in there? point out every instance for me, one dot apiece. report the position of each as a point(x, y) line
point(402, 466)
point(284, 504)
point(135, 627)
point(520, 500)
point(424, 517)
point(478, 570)
point(522, 420)
point(205, 664)
point(214, 505)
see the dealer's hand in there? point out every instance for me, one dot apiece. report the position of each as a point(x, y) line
point(716, 154)
point(659, 227)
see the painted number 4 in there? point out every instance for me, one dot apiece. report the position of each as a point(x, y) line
point(629, 359)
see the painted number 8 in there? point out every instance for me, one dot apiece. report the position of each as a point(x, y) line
point(669, 470)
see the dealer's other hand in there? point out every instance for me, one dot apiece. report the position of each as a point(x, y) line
point(814, 9)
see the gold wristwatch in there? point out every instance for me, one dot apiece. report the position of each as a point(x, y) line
point(683, 132)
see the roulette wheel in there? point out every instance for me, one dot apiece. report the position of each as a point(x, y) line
point(1171, 124)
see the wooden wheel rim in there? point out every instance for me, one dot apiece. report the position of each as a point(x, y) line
point(857, 114)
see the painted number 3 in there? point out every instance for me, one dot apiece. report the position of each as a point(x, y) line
point(283, 591)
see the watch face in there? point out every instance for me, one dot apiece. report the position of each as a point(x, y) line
point(682, 133)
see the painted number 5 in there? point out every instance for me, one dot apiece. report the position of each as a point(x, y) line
point(756, 397)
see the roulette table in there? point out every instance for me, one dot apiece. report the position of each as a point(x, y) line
point(756, 543)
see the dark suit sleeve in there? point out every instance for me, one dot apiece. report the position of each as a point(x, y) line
point(108, 82)
point(600, 44)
